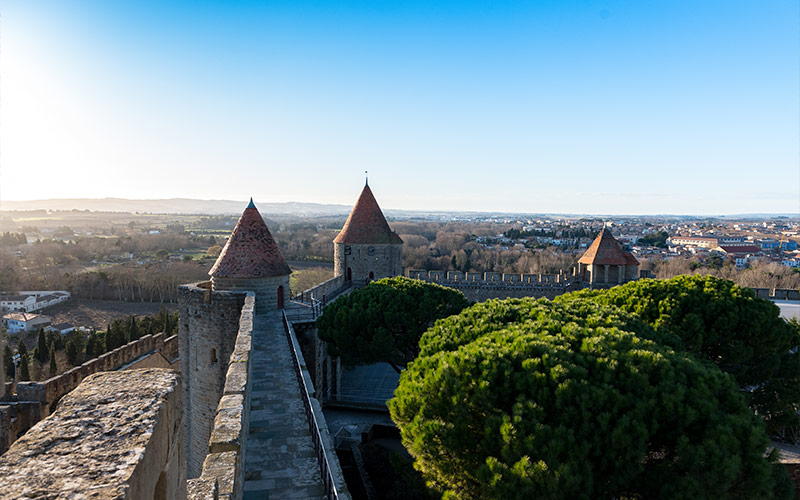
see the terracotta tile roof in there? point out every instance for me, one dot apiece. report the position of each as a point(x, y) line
point(366, 223)
point(630, 260)
point(604, 250)
point(250, 252)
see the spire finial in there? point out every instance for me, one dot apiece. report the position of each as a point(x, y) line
point(251, 205)
point(366, 178)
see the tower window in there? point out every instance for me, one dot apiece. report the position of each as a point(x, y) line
point(213, 356)
point(347, 250)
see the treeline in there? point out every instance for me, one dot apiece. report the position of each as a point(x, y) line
point(58, 352)
point(758, 275)
point(13, 239)
point(154, 281)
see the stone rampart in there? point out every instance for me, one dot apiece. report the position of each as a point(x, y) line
point(324, 291)
point(36, 400)
point(117, 435)
point(223, 466)
point(208, 327)
point(483, 286)
point(777, 293)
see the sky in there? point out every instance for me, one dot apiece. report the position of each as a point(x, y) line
point(547, 106)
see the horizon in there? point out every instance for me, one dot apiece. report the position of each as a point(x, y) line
point(750, 215)
point(598, 107)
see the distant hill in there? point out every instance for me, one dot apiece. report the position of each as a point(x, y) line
point(175, 206)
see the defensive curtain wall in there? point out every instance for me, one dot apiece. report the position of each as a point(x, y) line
point(34, 401)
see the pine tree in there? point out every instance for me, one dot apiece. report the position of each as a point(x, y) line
point(24, 373)
point(53, 365)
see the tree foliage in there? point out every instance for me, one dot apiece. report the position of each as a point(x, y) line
point(383, 322)
point(536, 399)
point(727, 325)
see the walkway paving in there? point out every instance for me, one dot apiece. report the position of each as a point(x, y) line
point(280, 462)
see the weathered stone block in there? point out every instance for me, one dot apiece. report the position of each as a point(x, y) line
point(202, 489)
point(118, 435)
point(223, 467)
point(228, 424)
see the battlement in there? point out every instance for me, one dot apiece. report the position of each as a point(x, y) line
point(117, 435)
point(777, 293)
point(36, 400)
point(559, 280)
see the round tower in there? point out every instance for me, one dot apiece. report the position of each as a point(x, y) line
point(367, 249)
point(252, 261)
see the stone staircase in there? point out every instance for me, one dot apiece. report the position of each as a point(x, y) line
point(280, 462)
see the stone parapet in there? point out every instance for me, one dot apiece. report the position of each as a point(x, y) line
point(117, 435)
point(210, 323)
point(36, 400)
point(324, 291)
point(223, 466)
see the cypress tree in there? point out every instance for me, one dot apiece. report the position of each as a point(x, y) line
point(24, 373)
point(53, 365)
point(7, 361)
point(90, 346)
point(72, 352)
point(22, 349)
point(41, 353)
point(133, 331)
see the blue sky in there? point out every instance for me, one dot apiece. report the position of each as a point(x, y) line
point(547, 106)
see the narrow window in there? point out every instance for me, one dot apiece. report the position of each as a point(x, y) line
point(213, 356)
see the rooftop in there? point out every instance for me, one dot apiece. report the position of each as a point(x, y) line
point(366, 223)
point(605, 250)
point(251, 251)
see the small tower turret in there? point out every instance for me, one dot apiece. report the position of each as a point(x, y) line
point(252, 261)
point(366, 248)
point(606, 264)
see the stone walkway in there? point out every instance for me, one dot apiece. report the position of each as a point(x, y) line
point(280, 462)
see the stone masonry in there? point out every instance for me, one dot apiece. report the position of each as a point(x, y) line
point(280, 460)
point(209, 323)
point(117, 436)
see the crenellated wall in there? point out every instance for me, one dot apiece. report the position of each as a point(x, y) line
point(777, 293)
point(36, 400)
point(118, 435)
point(483, 286)
point(208, 326)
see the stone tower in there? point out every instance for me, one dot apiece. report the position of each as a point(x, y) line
point(252, 261)
point(605, 264)
point(367, 248)
point(209, 315)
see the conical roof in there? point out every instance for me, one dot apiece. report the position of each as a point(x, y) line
point(250, 252)
point(604, 250)
point(366, 223)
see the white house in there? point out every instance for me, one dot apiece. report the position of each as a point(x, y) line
point(17, 303)
point(24, 322)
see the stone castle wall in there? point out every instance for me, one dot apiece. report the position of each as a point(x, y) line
point(36, 400)
point(223, 464)
point(266, 289)
point(207, 330)
point(383, 261)
point(127, 428)
point(483, 286)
